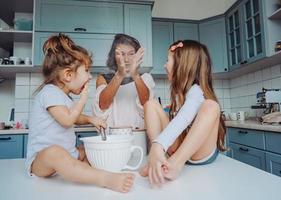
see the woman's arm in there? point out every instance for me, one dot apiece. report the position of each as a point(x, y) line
point(107, 95)
point(142, 89)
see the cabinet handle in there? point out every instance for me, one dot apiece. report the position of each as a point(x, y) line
point(243, 149)
point(80, 29)
point(79, 136)
point(6, 139)
point(243, 62)
point(243, 132)
point(225, 69)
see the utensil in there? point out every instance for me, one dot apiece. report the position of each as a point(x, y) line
point(103, 134)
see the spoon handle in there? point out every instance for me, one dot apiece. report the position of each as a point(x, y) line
point(103, 134)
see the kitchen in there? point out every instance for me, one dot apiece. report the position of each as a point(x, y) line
point(240, 73)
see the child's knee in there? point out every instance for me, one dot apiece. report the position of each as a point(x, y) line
point(54, 152)
point(210, 106)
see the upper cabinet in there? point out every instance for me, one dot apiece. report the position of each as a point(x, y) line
point(183, 31)
point(138, 23)
point(213, 35)
point(78, 16)
point(93, 25)
point(245, 33)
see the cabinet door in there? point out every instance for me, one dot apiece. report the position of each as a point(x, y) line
point(138, 24)
point(11, 146)
point(78, 16)
point(273, 142)
point(97, 44)
point(186, 31)
point(251, 156)
point(234, 41)
point(247, 137)
point(213, 35)
point(83, 134)
point(273, 163)
point(25, 139)
point(253, 30)
point(162, 38)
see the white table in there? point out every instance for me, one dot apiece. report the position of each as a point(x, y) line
point(225, 179)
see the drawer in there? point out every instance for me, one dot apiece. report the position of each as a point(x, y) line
point(78, 16)
point(248, 155)
point(11, 146)
point(247, 137)
point(83, 134)
point(273, 163)
point(273, 142)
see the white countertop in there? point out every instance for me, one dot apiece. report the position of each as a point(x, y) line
point(225, 179)
point(252, 124)
point(25, 131)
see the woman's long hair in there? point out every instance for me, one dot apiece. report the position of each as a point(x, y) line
point(192, 64)
point(61, 53)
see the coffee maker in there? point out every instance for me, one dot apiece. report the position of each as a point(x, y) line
point(269, 100)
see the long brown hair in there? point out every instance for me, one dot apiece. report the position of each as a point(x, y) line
point(61, 53)
point(192, 65)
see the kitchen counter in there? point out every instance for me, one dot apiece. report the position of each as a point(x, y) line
point(253, 124)
point(224, 179)
point(25, 131)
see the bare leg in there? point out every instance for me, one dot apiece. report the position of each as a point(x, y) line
point(56, 159)
point(200, 140)
point(156, 120)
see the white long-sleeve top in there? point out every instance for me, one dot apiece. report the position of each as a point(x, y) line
point(193, 100)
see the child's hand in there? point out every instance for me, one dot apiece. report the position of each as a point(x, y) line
point(85, 93)
point(121, 66)
point(98, 123)
point(136, 61)
point(156, 160)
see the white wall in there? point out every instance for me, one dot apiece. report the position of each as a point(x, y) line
point(190, 9)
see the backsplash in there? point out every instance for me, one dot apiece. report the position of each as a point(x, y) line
point(234, 94)
point(27, 83)
point(243, 89)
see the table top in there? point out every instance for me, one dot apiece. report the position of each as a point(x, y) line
point(224, 179)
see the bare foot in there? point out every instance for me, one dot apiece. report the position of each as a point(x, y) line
point(144, 171)
point(120, 182)
point(171, 170)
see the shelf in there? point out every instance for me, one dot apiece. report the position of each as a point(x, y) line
point(276, 15)
point(272, 60)
point(8, 37)
point(9, 71)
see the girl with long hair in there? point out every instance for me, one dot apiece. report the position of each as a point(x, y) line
point(194, 131)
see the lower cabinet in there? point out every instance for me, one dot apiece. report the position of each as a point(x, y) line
point(273, 163)
point(260, 149)
point(11, 146)
point(248, 155)
point(83, 134)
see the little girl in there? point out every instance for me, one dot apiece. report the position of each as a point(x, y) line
point(51, 142)
point(196, 131)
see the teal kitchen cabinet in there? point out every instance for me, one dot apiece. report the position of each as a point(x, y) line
point(11, 146)
point(25, 140)
point(245, 33)
point(273, 142)
point(78, 16)
point(186, 31)
point(162, 38)
point(248, 155)
point(83, 134)
point(97, 44)
point(138, 23)
point(273, 163)
point(213, 34)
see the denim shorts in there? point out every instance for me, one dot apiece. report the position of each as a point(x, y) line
point(205, 161)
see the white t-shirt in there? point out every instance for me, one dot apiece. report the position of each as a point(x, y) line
point(126, 109)
point(44, 130)
point(193, 101)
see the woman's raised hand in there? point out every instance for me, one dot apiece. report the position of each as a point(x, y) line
point(121, 66)
point(136, 61)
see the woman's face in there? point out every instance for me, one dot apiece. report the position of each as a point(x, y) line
point(169, 65)
point(127, 52)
